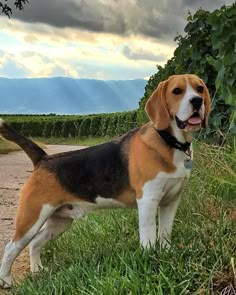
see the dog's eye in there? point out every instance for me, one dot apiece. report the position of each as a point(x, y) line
point(200, 89)
point(177, 91)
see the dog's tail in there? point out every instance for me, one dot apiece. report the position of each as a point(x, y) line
point(34, 152)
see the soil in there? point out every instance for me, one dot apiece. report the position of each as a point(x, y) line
point(15, 168)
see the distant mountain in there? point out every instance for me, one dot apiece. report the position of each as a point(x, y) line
point(69, 96)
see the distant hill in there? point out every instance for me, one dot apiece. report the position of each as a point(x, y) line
point(69, 96)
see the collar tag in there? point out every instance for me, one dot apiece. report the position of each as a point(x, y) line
point(188, 164)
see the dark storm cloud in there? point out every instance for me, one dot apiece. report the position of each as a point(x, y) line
point(161, 19)
point(90, 15)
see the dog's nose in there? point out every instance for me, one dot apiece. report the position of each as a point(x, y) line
point(196, 102)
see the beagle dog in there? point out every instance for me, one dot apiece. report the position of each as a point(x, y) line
point(146, 168)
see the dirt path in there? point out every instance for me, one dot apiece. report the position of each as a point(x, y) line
point(15, 168)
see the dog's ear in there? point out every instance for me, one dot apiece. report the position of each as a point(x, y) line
point(156, 107)
point(207, 103)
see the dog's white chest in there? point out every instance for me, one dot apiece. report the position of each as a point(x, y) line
point(176, 181)
point(167, 186)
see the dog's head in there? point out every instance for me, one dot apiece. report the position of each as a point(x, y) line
point(184, 98)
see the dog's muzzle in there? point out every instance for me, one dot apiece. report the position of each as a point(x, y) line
point(194, 120)
point(196, 102)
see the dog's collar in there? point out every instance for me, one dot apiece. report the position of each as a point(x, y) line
point(173, 142)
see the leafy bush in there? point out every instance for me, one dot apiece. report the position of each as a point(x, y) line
point(111, 130)
point(95, 126)
point(84, 127)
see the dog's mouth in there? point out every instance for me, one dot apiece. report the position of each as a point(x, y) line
point(193, 122)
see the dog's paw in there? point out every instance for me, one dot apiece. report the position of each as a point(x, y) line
point(147, 245)
point(5, 283)
point(36, 268)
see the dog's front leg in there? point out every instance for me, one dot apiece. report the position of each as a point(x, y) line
point(147, 210)
point(147, 222)
point(166, 220)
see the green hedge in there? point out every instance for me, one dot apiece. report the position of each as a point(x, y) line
point(113, 124)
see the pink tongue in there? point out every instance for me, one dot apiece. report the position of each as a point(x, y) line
point(195, 120)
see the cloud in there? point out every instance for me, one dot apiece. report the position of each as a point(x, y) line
point(62, 46)
point(107, 39)
point(30, 64)
point(141, 54)
point(161, 19)
point(90, 15)
point(10, 67)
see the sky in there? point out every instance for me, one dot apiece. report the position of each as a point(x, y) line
point(97, 39)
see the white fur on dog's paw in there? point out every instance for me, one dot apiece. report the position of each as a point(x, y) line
point(5, 283)
point(36, 268)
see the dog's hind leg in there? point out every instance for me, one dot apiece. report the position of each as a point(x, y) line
point(53, 227)
point(31, 216)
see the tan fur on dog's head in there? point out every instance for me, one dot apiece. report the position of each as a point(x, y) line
point(157, 109)
point(164, 104)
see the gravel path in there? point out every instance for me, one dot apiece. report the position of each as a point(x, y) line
point(15, 168)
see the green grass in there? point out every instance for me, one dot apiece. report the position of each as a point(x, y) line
point(100, 254)
point(7, 147)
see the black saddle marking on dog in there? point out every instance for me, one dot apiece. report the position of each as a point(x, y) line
point(101, 170)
